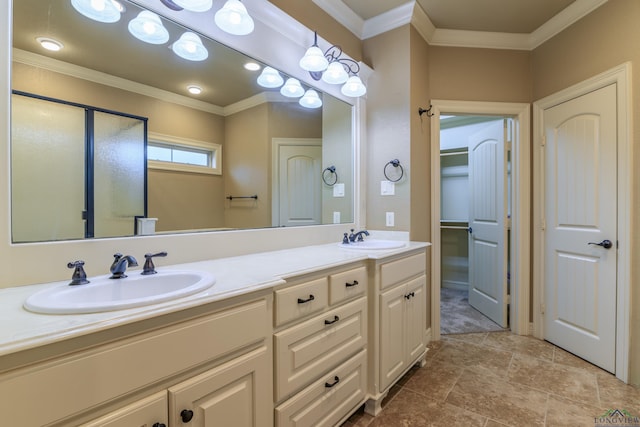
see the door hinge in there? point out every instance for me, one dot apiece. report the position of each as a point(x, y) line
point(543, 140)
point(543, 224)
point(508, 146)
point(543, 308)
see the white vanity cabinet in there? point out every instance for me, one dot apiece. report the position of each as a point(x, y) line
point(397, 328)
point(320, 347)
point(213, 363)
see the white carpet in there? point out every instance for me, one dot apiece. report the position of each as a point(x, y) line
point(458, 317)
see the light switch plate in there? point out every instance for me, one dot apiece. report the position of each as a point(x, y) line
point(387, 188)
point(390, 220)
point(336, 217)
point(338, 190)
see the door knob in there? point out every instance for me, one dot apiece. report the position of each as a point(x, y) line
point(607, 244)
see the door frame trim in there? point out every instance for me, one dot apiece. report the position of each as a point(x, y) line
point(621, 76)
point(520, 205)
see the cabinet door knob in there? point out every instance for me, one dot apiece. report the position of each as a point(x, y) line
point(186, 415)
point(336, 380)
point(349, 285)
point(302, 301)
point(159, 425)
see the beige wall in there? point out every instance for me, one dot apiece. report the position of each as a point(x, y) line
point(247, 157)
point(388, 126)
point(602, 40)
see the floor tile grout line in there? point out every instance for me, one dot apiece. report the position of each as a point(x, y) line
point(546, 410)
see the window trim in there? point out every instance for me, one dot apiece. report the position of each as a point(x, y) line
point(216, 150)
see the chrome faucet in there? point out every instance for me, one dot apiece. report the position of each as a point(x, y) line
point(120, 264)
point(357, 236)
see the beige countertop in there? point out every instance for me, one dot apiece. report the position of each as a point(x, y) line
point(23, 330)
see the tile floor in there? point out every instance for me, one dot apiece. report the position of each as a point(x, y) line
point(494, 379)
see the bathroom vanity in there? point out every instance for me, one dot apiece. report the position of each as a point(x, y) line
point(293, 337)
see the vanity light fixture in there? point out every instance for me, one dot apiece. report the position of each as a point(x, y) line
point(353, 87)
point(270, 78)
point(189, 46)
point(98, 10)
point(310, 99)
point(50, 44)
point(194, 90)
point(195, 5)
point(148, 27)
point(234, 19)
point(292, 88)
point(333, 68)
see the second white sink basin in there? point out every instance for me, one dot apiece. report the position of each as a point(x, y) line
point(374, 244)
point(104, 294)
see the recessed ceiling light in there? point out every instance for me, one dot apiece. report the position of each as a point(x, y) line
point(50, 44)
point(252, 66)
point(195, 90)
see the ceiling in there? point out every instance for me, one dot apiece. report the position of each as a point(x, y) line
point(508, 24)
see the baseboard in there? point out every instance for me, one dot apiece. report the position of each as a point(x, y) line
point(458, 286)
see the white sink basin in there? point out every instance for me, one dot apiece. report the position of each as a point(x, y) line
point(104, 294)
point(374, 244)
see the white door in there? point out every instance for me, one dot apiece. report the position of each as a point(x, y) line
point(580, 212)
point(300, 188)
point(488, 222)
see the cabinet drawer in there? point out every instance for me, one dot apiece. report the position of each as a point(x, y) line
point(402, 269)
point(306, 350)
point(323, 405)
point(347, 285)
point(145, 412)
point(301, 300)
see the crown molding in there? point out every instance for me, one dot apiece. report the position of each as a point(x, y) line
point(40, 61)
point(387, 21)
point(412, 13)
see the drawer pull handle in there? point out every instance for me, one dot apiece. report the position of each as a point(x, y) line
point(159, 425)
point(186, 415)
point(349, 285)
point(336, 380)
point(302, 301)
point(410, 295)
point(330, 322)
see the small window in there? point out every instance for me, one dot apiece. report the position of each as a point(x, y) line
point(181, 154)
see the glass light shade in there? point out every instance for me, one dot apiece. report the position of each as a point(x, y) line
point(234, 19)
point(310, 99)
point(292, 88)
point(270, 78)
point(353, 87)
point(335, 74)
point(148, 27)
point(314, 60)
point(195, 90)
point(190, 47)
point(195, 5)
point(98, 10)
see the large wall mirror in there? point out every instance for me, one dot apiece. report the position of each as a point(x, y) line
point(268, 161)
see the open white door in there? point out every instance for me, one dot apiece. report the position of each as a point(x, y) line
point(300, 188)
point(488, 222)
point(580, 196)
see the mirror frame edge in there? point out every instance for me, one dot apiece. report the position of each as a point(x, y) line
point(51, 257)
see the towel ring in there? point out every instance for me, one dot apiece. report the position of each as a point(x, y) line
point(396, 164)
point(332, 171)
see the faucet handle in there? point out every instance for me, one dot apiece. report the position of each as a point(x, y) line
point(79, 276)
point(149, 268)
